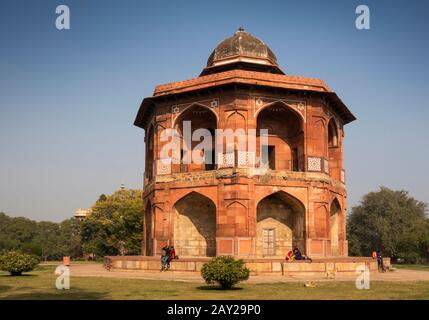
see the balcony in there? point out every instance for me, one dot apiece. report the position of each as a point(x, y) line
point(197, 178)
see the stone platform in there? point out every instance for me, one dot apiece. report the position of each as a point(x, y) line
point(343, 265)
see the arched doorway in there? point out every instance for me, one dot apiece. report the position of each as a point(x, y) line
point(285, 137)
point(334, 151)
point(195, 226)
point(148, 229)
point(334, 226)
point(199, 117)
point(280, 225)
point(332, 134)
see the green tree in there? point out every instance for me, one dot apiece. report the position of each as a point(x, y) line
point(115, 224)
point(70, 240)
point(47, 240)
point(17, 233)
point(390, 221)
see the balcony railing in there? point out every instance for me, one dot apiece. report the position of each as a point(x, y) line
point(242, 163)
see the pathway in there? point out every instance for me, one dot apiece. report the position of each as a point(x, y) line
point(97, 270)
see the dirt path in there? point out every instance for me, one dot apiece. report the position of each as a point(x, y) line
point(97, 270)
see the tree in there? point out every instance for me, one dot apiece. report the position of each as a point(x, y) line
point(70, 239)
point(47, 240)
point(390, 221)
point(17, 233)
point(115, 224)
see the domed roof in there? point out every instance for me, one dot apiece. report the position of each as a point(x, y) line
point(242, 48)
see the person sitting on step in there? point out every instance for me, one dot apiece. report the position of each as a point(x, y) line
point(290, 256)
point(299, 256)
point(165, 263)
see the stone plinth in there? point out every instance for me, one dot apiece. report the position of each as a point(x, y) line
point(257, 266)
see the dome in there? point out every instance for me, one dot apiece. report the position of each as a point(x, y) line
point(245, 49)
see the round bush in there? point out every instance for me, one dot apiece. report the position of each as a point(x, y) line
point(225, 270)
point(16, 262)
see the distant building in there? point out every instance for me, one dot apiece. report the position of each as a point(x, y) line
point(82, 214)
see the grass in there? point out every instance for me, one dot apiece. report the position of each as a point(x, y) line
point(418, 267)
point(58, 262)
point(40, 285)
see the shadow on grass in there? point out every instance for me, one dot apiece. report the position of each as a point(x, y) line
point(217, 288)
point(24, 275)
point(72, 294)
point(4, 288)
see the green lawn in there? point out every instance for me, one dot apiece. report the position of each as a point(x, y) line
point(40, 284)
point(56, 263)
point(420, 267)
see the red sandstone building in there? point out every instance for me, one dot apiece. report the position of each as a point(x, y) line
point(228, 208)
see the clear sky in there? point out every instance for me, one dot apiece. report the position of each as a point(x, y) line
point(68, 98)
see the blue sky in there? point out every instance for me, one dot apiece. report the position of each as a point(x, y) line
point(68, 98)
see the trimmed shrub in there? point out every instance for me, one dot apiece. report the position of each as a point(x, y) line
point(16, 262)
point(224, 270)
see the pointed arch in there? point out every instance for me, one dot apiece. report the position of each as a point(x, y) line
point(287, 197)
point(337, 201)
point(321, 221)
point(335, 225)
point(205, 120)
point(332, 133)
point(280, 224)
point(201, 193)
point(190, 107)
point(285, 136)
point(150, 152)
point(195, 225)
point(280, 103)
point(236, 120)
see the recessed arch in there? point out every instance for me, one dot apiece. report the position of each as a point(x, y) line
point(321, 221)
point(332, 133)
point(150, 151)
point(200, 192)
point(202, 118)
point(335, 225)
point(195, 225)
point(285, 140)
point(281, 103)
point(236, 120)
point(280, 225)
point(193, 105)
point(294, 201)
